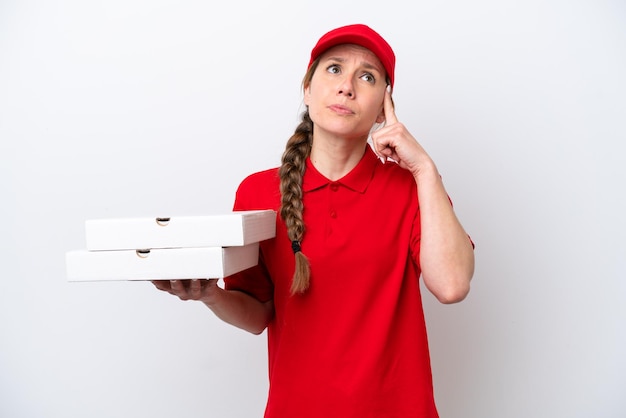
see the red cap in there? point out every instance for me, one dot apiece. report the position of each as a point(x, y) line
point(360, 35)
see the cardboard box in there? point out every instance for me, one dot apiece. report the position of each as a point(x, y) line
point(154, 264)
point(227, 230)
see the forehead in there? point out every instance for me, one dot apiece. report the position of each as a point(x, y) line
point(352, 51)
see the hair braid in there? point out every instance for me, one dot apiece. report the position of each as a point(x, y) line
point(291, 172)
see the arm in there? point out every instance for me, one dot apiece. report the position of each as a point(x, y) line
point(446, 252)
point(231, 306)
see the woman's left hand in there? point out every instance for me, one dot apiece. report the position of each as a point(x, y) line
point(395, 142)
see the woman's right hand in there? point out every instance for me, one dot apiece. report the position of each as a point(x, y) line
point(232, 306)
point(195, 289)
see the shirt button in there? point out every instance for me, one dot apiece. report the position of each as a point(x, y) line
point(333, 214)
point(334, 187)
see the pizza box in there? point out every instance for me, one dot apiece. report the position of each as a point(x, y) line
point(160, 264)
point(223, 230)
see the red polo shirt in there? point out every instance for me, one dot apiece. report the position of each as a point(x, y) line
point(355, 344)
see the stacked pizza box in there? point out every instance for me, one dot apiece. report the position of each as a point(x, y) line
point(184, 247)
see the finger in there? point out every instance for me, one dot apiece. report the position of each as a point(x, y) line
point(379, 147)
point(178, 288)
point(195, 289)
point(161, 284)
point(390, 113)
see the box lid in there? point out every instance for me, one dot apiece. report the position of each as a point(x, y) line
point(221, 230)
point(160, 264)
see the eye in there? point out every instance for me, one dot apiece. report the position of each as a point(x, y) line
point(333, 69)
point(369, 77)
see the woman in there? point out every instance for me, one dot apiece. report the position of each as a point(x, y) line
point(338, 288)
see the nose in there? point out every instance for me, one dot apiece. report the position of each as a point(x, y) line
point(346, 88)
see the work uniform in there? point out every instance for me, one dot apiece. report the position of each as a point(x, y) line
point(355, 344)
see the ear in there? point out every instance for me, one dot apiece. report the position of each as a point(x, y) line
point(307, 94)
point(381, 116)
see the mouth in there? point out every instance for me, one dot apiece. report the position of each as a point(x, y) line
point(340, 109)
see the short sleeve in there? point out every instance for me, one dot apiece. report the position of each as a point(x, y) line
point(252, 194)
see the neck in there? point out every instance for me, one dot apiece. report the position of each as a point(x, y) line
point(336, 158)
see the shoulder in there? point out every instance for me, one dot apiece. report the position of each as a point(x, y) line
point(260, 190)
point(263, 178)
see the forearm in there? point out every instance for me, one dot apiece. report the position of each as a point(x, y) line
point(446, 253)
point(240, 309)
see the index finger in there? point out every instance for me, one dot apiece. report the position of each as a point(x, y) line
point(390, 114)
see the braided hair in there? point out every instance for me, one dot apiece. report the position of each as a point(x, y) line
point(291, 172)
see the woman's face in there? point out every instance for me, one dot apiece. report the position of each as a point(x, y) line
point(345, 95)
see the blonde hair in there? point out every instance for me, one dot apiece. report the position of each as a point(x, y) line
point(291, 172)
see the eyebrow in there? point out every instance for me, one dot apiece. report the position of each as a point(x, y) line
point(365, 64)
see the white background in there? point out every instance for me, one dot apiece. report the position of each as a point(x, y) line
point(159, 108)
